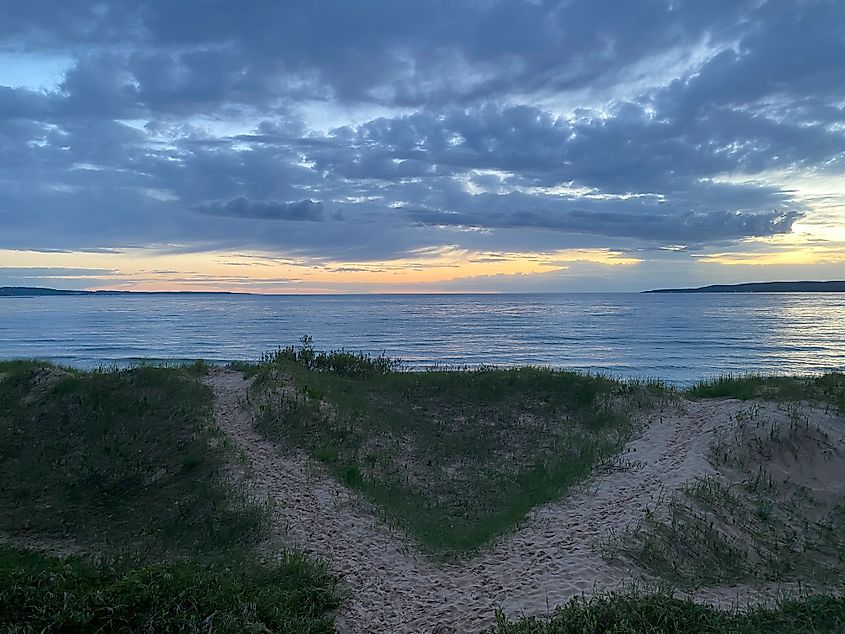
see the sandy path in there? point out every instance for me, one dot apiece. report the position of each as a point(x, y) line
point(549, 559)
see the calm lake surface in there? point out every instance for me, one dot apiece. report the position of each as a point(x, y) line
point(679, 338)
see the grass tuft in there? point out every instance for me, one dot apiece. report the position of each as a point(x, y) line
point(45, 594)
point(826, 388)
point(663, 613)
point(339, 362)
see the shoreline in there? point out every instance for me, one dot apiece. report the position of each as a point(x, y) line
point(425, 367)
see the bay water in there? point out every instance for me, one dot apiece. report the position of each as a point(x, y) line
point(679, 338)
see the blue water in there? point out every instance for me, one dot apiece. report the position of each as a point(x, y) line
point(679, 338)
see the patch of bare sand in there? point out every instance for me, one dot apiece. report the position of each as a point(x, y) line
point(552, 557)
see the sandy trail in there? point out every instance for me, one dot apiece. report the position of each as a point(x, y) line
point(551, 558)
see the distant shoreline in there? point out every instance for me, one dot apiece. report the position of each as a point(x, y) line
point(29, 291)
point(751, 287)
point(762, 287)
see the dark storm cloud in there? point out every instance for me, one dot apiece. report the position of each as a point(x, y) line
point(188, 123)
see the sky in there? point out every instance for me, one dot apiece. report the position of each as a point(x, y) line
point(420, 146)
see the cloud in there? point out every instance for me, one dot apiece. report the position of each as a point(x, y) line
point(684, 228)
point(54, 272)
point(55, 276)
point(243, 207)
point(500, 125)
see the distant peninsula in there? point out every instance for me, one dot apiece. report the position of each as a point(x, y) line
point(762, 287)
point(33, 291)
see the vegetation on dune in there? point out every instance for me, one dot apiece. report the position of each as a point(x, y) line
point(44, 594)
point(826, 388)
point(665, 614)
point(454, 457)
point(771, 512)
point(116, 457)
point(124, 468)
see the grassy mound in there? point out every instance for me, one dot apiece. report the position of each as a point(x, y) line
point(126, 469)
point(454, 457)
point(115, 458)
point(665, 614)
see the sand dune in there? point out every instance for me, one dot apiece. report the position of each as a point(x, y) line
point(392, 587)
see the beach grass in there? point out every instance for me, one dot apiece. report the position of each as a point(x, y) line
point(826, 388)
point(769, 513)
point(663, 613)
point(40, 593)
point(124, 470)
point(453, 457)
point(109, 458)
point(123, 474)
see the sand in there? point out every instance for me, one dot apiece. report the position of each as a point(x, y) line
point(551, 557)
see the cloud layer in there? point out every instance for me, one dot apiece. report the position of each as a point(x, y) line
point(369, 130)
